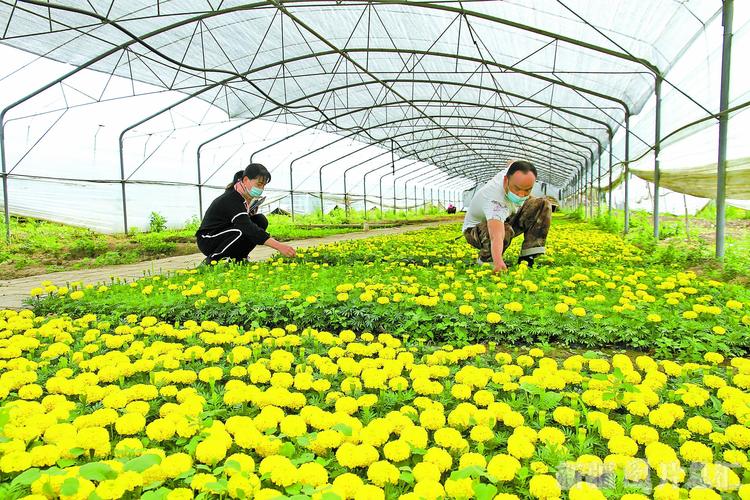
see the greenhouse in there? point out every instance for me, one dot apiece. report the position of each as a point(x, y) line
point(380, 249)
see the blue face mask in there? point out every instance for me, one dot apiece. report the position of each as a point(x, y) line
point(515, 199)
point(255, 191)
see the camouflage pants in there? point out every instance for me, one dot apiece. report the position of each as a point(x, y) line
point(532, 220)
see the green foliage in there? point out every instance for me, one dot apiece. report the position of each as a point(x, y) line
point(423, 263)
point(57, 246)
point(157, 222)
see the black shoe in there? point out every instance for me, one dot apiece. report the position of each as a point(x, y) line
point(529, 259)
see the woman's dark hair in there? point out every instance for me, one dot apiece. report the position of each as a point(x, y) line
point(252, 171)
point(521, 166)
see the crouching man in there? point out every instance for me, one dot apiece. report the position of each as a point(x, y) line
point(503, 209)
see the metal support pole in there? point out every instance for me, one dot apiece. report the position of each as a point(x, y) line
point(721, 183)
point(599, 185)
point(590, 187)
point(122, 185)
point(5, 177)
point(609, 203)
point(200, 186)
point(657, 149)
point(626, 171)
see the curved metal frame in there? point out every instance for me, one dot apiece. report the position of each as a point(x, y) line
point(280, 5)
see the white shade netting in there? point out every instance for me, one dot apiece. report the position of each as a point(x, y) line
point(364, 104)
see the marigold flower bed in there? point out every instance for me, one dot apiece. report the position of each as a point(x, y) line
point(592, 289)
point(94, 408)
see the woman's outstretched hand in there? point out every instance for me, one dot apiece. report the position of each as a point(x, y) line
point(282, 248)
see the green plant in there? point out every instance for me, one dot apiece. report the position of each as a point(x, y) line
point(87, 247)
point(156, 222)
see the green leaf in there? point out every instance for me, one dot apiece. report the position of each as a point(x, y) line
point(329, 495)
point(140, 464)
point(287, 450)
point(96, 471)
point(471, 471)
point(69, 487)
point(77, 452)
point(294, 489)
point(304, 458)
point(217, 486)
point(485, 491)
point(407, 477)
point(65, 462)
point(26, 477)
point(159, 494)
point(233, 464)
point(343, 429)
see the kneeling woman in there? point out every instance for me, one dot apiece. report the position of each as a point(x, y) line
point(230, 229)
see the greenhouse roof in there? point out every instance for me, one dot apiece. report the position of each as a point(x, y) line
point(462, 85)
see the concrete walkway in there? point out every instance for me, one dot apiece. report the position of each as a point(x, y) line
point(13, 292)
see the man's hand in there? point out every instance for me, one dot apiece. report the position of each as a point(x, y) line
point(500, 267)
point(496, 229)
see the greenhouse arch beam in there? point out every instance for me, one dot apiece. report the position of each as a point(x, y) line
point(320, 170)
point(476, 127)
point(410, 132)
point(499, 153)
point(454, 170)
point(439, 82)
point(506, 149)
point(166, 28)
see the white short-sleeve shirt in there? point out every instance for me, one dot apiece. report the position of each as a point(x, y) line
point(489, 203)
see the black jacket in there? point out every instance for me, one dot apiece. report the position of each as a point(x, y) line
point(228, 212)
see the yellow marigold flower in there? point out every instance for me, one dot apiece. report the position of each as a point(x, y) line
point(578, 311)
point(481, 433)
point(313, 474)
point(720, 477)
point(493, 318)
point(513, 307)
point(369, 492)
point(348, 484)
point(471, 460)
point(382, 473)
point(667, 491)
point(503, 467)
point(699, 425)
point(585, 491)
point(623, 445)
point(397, 451)
point(564, 415)
point(428, 490)
point(693, 451)
point(551, 435)
point(539, 467)
point(210, 451)
point(561, 308)
point(130, 424)
point(714, 358)
point(544, 486)
point(459, 488)
point(465, 310)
